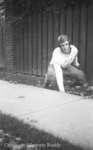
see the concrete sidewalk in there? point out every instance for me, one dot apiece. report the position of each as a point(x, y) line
point(63, 115)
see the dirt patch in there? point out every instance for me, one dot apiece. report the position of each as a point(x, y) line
point(71, 85)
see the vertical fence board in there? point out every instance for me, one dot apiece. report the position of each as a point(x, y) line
point(44, 43)
point(56, 27)
point(21, 48)
point(69, 22)
point(50, 36)
point(17, 50)
point(27, 42)
point(83, 31)
point(39, 45)
point(25, 45)
point(90, 43)
point(0, 38)
point(61, 22)
point(29, 45)
point(76, 22)
point(37, 52)
point(34, 43)
point(32, 47)
point(3, 40)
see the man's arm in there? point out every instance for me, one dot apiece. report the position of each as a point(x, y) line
point(59, 77)
point(75, 62)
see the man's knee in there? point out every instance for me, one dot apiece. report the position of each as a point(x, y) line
point(50, 76)
point(51, 72)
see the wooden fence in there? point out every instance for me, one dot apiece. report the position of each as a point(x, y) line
point(37, 33)
point(2, 42)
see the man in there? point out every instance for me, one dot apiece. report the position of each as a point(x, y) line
point(64, 61)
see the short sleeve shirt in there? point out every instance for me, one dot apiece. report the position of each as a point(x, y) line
point(58, 57)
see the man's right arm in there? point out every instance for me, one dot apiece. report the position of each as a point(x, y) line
point(58, 71)
point(54, 56)
point(59, 77)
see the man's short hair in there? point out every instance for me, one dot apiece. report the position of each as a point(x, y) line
point(63, 38)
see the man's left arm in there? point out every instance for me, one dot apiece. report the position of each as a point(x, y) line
point(76, 62)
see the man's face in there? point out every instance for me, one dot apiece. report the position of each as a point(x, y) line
point(65, 47)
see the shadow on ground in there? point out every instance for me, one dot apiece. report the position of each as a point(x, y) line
point(18, 133)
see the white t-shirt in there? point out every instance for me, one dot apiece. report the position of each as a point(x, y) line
point(62, 59)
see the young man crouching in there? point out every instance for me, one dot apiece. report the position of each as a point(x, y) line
point(64, 61)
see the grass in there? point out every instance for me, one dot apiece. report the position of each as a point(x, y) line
point(28, 134)
point(70, 85)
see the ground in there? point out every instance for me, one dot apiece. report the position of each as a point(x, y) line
point(76, 88)
point(18, 135)
point(71, 86)
point(36, 103)
point(73, 114)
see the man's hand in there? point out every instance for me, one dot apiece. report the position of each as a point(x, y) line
point(76, 63)
point(67, 63)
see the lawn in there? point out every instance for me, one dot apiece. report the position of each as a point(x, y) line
point(15, 129)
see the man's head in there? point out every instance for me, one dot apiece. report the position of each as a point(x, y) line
point(63, 41)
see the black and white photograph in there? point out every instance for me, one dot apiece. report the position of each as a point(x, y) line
point(46, 75)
